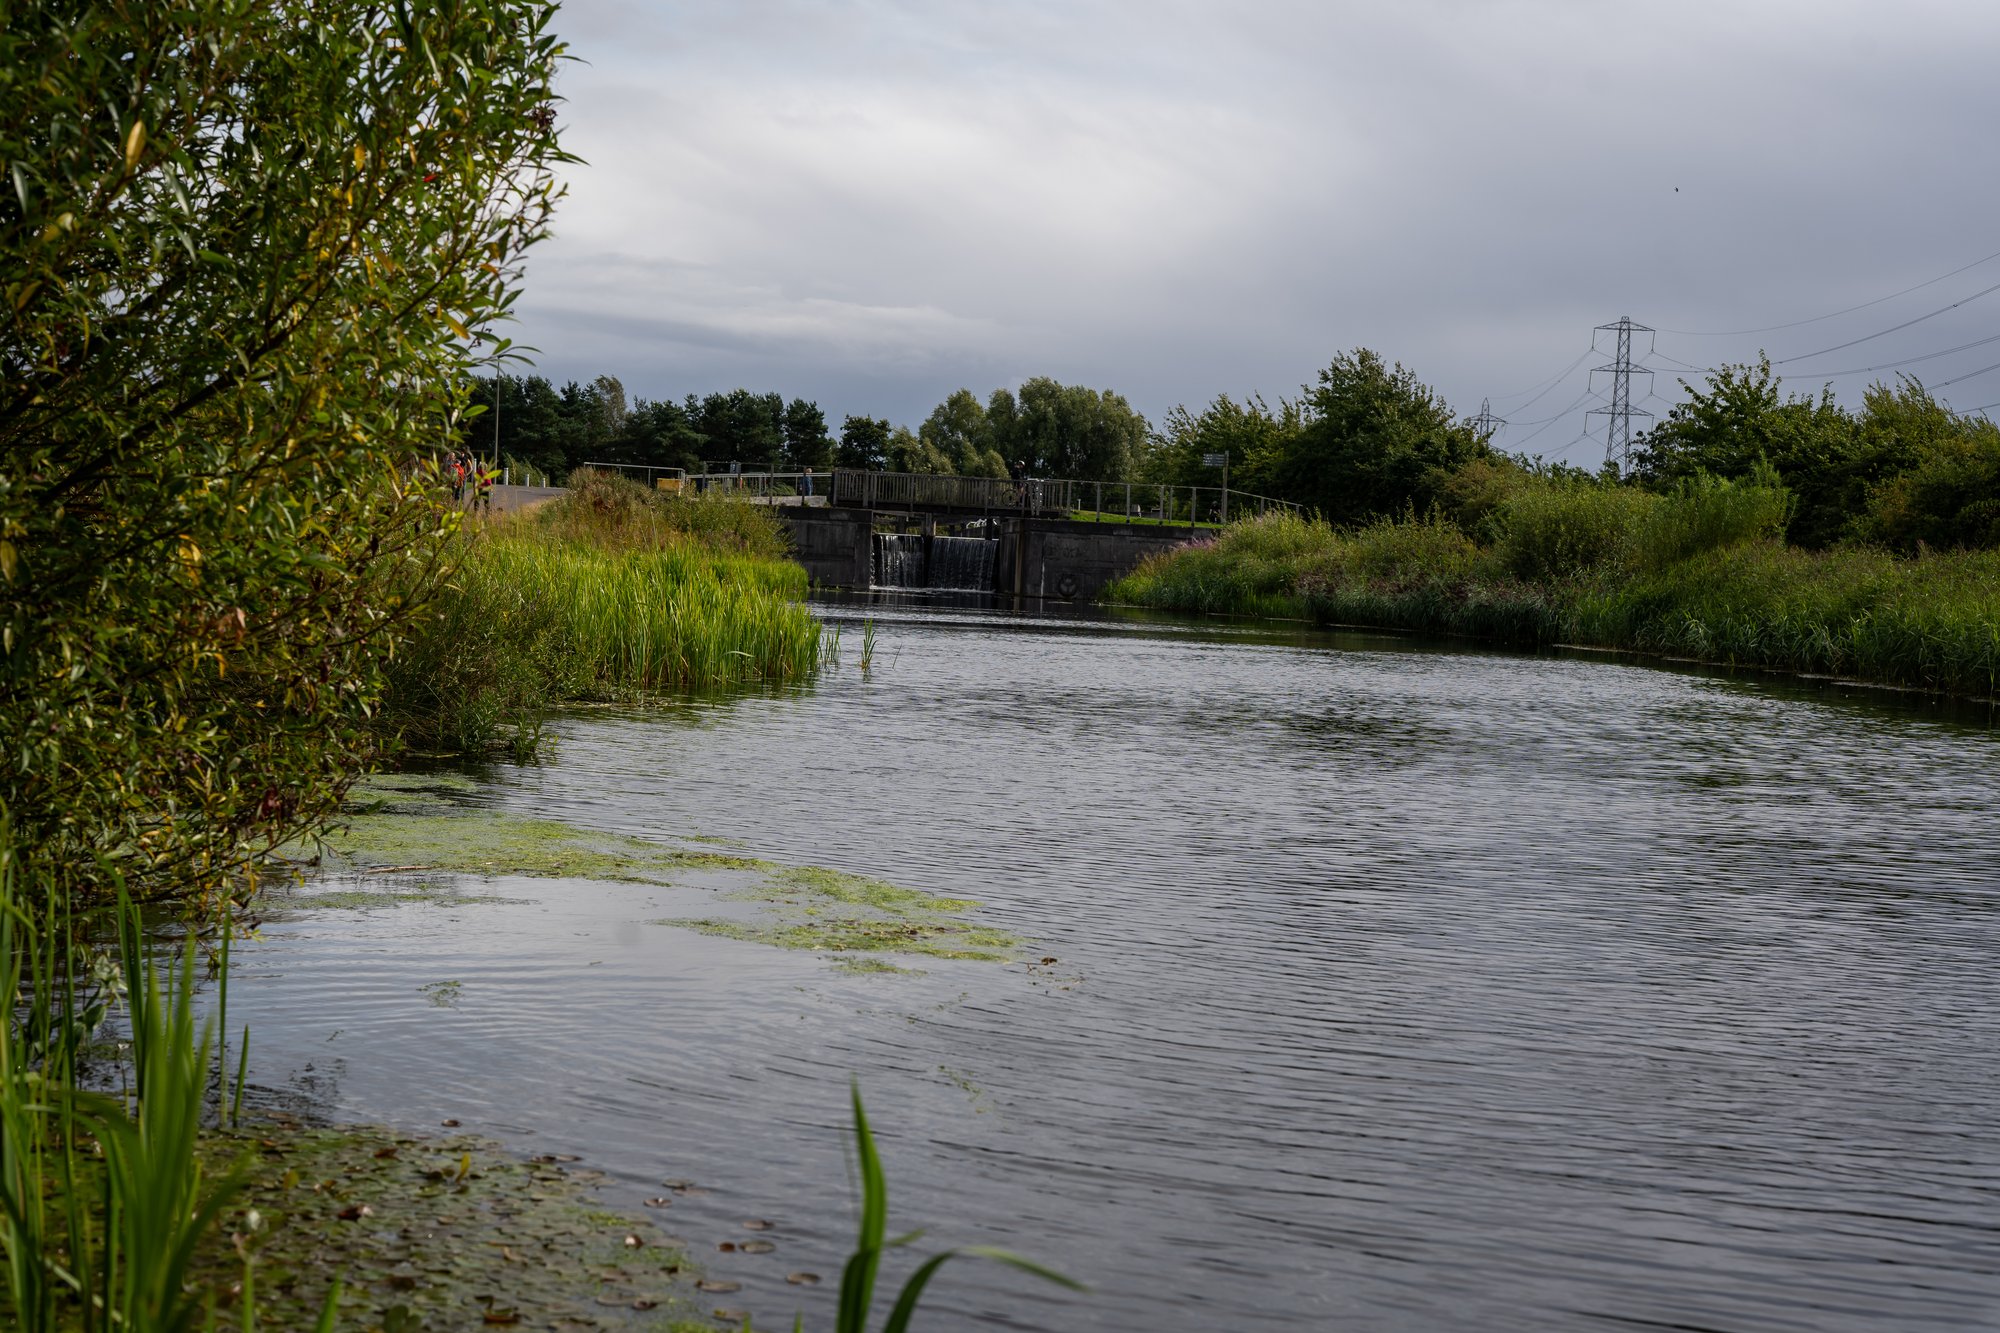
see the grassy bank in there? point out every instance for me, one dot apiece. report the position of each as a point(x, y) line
point(611, 592)
point(1700, 573)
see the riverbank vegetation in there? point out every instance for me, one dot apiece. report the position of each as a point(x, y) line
point(1754, 527)
point(1534, 559)
point(242, 249)
point(244, 245)
point(253, 254)
point(609, 593)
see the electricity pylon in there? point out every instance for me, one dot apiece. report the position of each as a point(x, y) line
point(1618, 416)
point(1486, 424)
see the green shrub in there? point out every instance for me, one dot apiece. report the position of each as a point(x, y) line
point(1932, 622)
point(1410, 549)
point(1949, 499)
point(1705, 513)
point(1697, 573)
point(243, 248)
point(1252, 567)
point(1558, 529)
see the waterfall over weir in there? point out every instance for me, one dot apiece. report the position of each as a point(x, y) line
point(951, 564)
point(962, 564)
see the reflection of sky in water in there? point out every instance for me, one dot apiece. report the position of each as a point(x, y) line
point(1397, 989)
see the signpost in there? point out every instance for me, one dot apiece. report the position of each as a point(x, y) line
point(1220, 460)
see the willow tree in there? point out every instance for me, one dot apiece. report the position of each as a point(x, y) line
point(245, 246)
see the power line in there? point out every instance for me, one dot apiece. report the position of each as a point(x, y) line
point(1549, 383)
point(1799, 323)
point(1545, 392)
point(1544, 424)
point(1912, 360)
point(1684, 365)
point(1894, 328)
point(1968, 375)
point(1856, 370)
point(1579, 401)
point(1580, 438)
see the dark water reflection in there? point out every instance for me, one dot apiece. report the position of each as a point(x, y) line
point(1397, 989)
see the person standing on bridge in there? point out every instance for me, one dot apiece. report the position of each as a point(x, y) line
point(807, 492)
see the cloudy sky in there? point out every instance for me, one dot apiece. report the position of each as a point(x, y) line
point(871, 203)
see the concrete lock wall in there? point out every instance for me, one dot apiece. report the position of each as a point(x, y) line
point(1054, 559)
point(834, 545)
point(1068, 561)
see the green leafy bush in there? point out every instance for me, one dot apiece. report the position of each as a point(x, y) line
point(1706, 513)
point(1949, 498)
point(1696, 573)
point(1557, 530)
point(241, 249)
point(1252, 567)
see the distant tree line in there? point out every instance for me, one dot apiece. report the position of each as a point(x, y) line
point(1368, 439)
point(1043, 429)
point(525, 419)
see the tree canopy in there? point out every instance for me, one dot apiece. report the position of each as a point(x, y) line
point(246, 246)
point(1066, 430)
point(553, 430)
point(1904, 469)
point(1375, 440)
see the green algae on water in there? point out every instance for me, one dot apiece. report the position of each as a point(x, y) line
point(416, 824)
point(422, 894)
point(831, 911)
point(857, 890)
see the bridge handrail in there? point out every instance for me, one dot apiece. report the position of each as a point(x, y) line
point(647, 471)
point(1131, 501)
point(864, 488)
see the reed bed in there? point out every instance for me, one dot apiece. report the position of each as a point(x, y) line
point(1932, 622)
point(612, 593)
point(1699, 573)
point(651, 620)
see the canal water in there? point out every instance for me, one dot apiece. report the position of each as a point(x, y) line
point(1393, 987)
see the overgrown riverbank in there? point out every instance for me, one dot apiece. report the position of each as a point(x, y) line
point(610, 592)
point(1701, 572)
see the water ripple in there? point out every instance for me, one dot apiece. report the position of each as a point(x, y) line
point(1408, 989)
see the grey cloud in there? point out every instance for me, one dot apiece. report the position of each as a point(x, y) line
point(874, 203)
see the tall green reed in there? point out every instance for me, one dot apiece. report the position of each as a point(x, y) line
point(590, 604)
point(857, 1279)
point(104, 1199)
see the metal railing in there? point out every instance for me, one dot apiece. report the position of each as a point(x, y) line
point(916, 492)
point(1102, 501)
point(768, 487)
point(642, 473)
